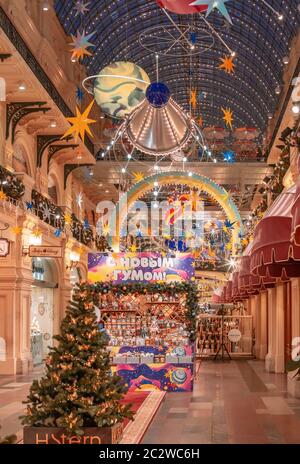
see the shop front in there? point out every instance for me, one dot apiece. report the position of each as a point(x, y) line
point(151, 325)
point(43, 296)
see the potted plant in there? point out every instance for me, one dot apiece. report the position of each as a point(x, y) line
point(77, 401)
point(294, 378)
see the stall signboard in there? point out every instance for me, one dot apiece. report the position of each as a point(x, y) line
point(42, 251)
point(124, 268)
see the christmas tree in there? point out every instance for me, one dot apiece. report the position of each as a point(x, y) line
point(78, 388)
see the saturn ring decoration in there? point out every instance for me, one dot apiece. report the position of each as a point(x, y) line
point(157, 125)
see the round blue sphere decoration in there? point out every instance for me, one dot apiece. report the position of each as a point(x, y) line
point(158, 94)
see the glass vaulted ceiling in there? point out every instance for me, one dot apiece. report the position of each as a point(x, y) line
point(258, 38)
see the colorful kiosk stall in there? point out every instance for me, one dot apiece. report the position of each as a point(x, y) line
point(149, 305)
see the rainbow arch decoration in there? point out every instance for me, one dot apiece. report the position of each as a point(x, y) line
point(218, 193)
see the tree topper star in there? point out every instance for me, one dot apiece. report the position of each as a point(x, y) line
point(80, 123)
point(227, 64)
point(228, 116)
point(211, 5)
point(80, 44)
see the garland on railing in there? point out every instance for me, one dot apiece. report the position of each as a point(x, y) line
point(45, 210)
point(81, 231)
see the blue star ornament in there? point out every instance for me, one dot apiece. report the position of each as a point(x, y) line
point(86, 224)
point(79, 94)
point(58, 232)
point(212, 4)
point(29, 205)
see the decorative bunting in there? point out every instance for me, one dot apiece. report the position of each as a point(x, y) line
point(211, 5)
point(80, 45)
point(228, 116)
point(227, 64)
point(80, 123)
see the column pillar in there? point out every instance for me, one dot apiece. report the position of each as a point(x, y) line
point(279, 331)
point(263, 348)
point(270, 357)
point(256, 312)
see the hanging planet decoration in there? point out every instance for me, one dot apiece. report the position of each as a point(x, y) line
point(181, 6)
point(119, 88)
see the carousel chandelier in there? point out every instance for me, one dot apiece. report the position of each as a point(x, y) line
point(158, 126)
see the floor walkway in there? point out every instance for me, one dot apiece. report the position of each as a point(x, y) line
point(234, 402)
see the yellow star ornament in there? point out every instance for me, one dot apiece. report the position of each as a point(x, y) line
point(68, 218)
point(228, 117)
point(3, 195)
point(36, 233)
point(227, 64)
point(193, 99)
point(16, 230)
point(138, 176)
point(80, 124)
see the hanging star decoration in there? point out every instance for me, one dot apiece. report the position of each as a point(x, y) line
point(79, 95)
point(229, 156)
point(16, 230)
point(58, 232)
point(133, 248)
point(79, 199)
point(228, 117)
point(200, 121)
point(227, 64)
point(36, 232)
point(80, 124)
point(81, 7)
point(138, 176)
point(193, 98)
point(3, 195)
point(212, 5)
point(86, 224)
point(80, 45)
point(29, 205)
point(68, 218)
point(106, 229)
point(46, 213)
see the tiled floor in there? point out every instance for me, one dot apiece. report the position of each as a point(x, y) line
point(236, 402)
